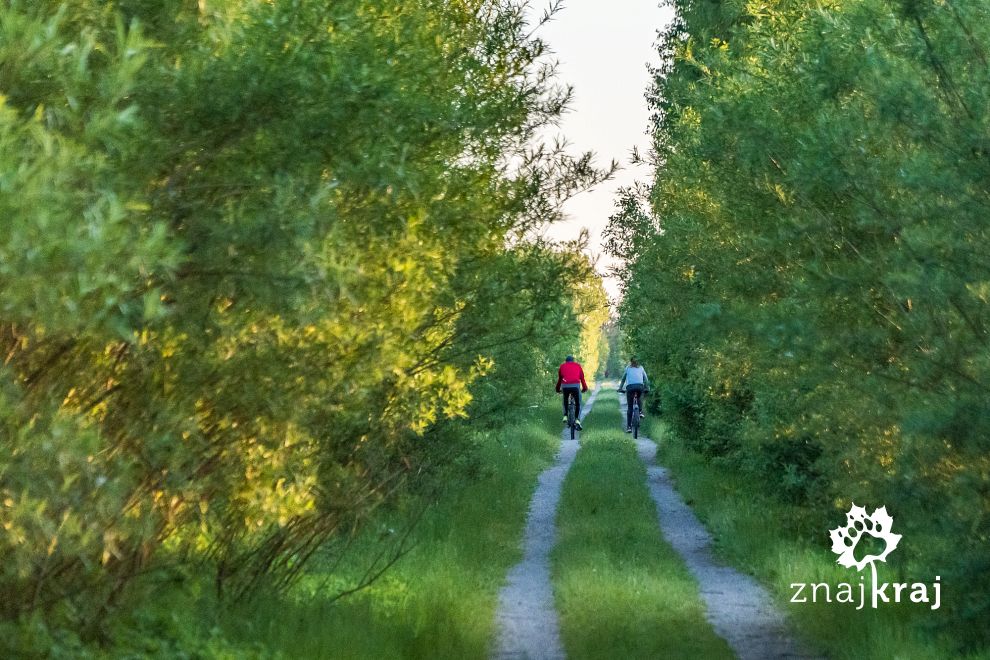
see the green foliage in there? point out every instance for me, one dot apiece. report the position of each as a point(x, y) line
point(557, 306)
point(613, 364)
point(806, 276)
point(252, 253)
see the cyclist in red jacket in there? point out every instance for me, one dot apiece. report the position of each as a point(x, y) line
point(570, 380)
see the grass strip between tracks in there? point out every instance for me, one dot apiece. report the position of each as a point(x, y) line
point(621, 590)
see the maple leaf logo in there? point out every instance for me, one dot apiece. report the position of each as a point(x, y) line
point(877, 525)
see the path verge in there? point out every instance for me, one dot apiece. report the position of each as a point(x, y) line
point(439, 600)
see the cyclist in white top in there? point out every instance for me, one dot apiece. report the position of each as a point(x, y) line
point(635, 380)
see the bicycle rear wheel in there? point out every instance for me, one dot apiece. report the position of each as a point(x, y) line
point(635, 419)
point(571, 415)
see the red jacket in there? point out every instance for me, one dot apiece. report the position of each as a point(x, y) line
point(571, 373)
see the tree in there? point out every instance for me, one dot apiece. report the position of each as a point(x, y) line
point(242, 269)
point(811, 255)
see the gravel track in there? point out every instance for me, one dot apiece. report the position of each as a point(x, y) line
point(740, 610)
point(526, 616)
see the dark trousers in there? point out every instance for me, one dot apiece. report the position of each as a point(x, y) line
point(576, 391)
point(630, 393)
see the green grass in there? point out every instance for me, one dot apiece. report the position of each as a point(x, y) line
point(439, 600)
point(621, 591)
point(759, 534)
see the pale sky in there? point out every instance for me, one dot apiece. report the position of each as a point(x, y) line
point(603, 49)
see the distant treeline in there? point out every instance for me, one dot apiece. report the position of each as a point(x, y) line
point(808, 277)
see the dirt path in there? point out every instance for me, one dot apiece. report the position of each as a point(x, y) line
point(526, 617)
point(740, 610)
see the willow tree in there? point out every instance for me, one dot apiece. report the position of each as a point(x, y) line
point(240, 242)
point(807, 269)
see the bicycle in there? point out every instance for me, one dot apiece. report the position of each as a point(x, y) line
point(572, 412)
point(635, 412)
